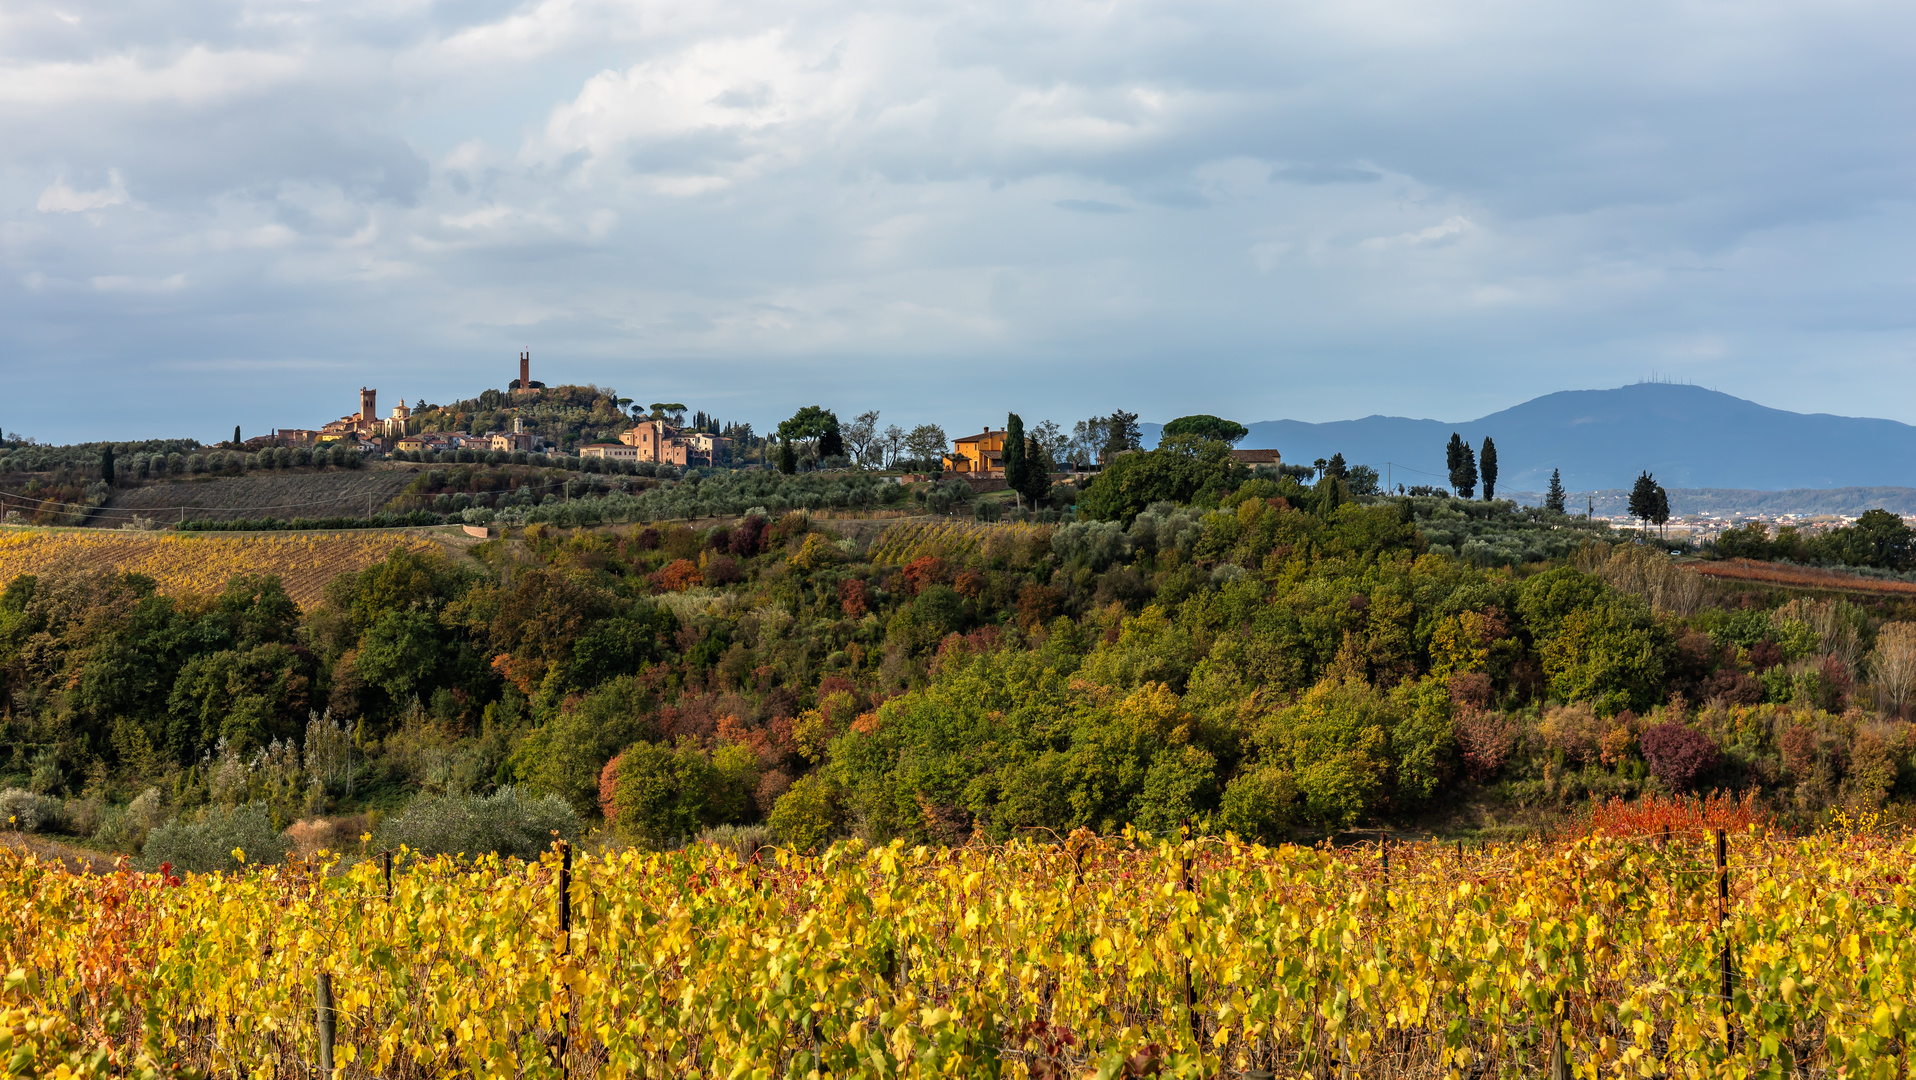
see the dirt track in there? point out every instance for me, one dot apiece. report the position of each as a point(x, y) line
point(78, 860)
point(1800, 577)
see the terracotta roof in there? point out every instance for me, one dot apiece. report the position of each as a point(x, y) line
point(979, 438)
point(1257, 457)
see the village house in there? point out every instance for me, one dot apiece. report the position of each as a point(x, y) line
point(980, 455)
point(610, 451)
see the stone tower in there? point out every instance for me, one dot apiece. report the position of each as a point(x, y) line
point(368, 411)
point(525, 371)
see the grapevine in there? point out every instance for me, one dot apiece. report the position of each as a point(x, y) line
point(906, 541)
point(191, 564)
point(1025, 960)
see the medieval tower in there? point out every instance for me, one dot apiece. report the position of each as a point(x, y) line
point(368, 410)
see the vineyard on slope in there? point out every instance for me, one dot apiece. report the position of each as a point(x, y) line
point(909, 540)
point(202, 564)
point(1092, 957)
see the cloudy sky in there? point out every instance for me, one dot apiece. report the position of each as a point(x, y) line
point(228, 212)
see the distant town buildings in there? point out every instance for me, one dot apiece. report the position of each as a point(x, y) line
point(659, 442)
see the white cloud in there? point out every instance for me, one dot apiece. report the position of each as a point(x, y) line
point(59, 198)
point(1300, 208)
point(1454, 225)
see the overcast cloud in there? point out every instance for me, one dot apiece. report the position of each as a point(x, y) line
point(238, 212)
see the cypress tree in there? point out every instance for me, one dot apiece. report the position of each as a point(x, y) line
point(1462, 468)
point(1554, 498)
point(236, 438)
point(106, 464)
point(1462, 463)
point(1014, 453)
point(787, 459)
point(1487, 464)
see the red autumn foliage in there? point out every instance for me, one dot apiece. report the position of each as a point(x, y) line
point(921, 572)
point(1038, 605)
point(854, 599)
point(608, 786)
point(1651, 814)
point(1679, 755)
point(681, 575)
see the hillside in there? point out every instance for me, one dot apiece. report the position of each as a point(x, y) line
point(1687, 436)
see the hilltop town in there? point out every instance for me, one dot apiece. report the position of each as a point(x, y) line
point(659, 439)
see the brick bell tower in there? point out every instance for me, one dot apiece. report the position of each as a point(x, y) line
point(368, 409)
point(525, 371)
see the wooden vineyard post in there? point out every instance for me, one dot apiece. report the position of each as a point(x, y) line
point(323, 1009)
point(565, 897)
point(565, 947)
point(386, 862)
point(1722, 922)
point(1190, 998)
point(1386, 846)
point(1559, 1052)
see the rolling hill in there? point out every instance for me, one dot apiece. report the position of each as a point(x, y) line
point(1686, 436)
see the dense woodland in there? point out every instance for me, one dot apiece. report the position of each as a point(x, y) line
point(1250, 654)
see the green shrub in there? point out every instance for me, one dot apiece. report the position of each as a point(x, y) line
point(1259, 805)
point(505, 822)
point(27, 812)
point(809, 815)
point(660, 793)
point(206, 842)
point(1180, 786)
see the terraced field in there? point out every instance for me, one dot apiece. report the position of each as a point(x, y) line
point(329, 493)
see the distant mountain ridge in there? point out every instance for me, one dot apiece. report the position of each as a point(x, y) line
point(1686, 436)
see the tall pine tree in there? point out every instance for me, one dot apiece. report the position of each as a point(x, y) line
point(1553, 499)
point(1487, 464)
point(1643, 498)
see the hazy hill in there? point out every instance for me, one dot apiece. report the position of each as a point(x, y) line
point(1687, 436)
